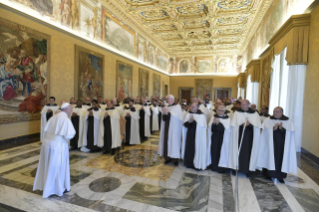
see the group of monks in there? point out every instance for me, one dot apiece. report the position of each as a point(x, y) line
point(227, 135)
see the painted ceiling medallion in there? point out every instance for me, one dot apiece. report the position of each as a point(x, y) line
point(232, 20)
point(199, 35)
point(139, 3)
point(233, 4)
point(192, 11)
point(154, 15)
point(193, 24)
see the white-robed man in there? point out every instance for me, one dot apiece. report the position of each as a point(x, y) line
point(155, 113)
point(194, 146)
point(91, 129)
point(277, 151)
point(77, 119)
point(218, 136)
point(110, 135)
point(249, 150)
point(47, 112)
point(171, 131)
point(53, 173)
point(263, 113)
point(145, 114)
point(131, 115)
point(87, 103)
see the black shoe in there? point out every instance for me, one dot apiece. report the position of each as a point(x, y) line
point(281, 181)
point(167, 161)
point(73, 149)
point(105, 152)
point(176, 163)
point(113, 151)
point(66, 191)
point(249, 176)
point(233, 172)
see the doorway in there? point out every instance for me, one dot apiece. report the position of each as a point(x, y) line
point(185, 93)
point(222, 93)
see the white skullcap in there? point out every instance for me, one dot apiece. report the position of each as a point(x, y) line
point(65, 105)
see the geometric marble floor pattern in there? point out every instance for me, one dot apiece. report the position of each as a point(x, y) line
point(136, 179)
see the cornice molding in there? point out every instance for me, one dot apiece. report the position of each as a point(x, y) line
point(293, 21)
point(253, 63)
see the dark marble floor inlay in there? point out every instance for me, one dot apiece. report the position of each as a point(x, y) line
point(309, 167)
point(8, 208)
point(191, 194)
point(19, 157)
point(138, 158)
point(105, 184)
point(21, 149)
point(76, 158)
point(154, 142)
point(268, 196)
point(307, 198)
point(228, 195)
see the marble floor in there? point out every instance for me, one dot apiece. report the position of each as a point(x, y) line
point(136, 179)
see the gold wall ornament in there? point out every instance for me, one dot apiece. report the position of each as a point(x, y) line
point(141, 3)
point(192, 11)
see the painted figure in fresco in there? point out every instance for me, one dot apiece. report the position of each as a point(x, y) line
point(8, 80)
point(183, 66)
point(43, 6)
point(65, 8)
point(29, 74)
point(75, 14)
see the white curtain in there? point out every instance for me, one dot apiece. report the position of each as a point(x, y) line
point(254, 95)
point(238, 91)
point(242, 93)
point(274, 84)
point(294, 101)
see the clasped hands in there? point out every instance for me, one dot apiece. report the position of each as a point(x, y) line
point(277, 125)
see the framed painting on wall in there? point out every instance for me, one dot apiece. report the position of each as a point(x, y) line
point(124, 76)
point(203, 87)
point(143, 83)
point(24, 71)
point(156, 85)
point(88, 73)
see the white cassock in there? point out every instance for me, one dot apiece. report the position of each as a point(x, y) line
point(147, 119)
point(209, 106)
point(155, 110)
point(81, 112)
point(263, 117)
point(201, 151)
point(204, 110)
point(86, 105)
point(184, 114)
point(174, 133)
point(238, 118)
point(53, 174)
point(115, 128)
point(229, 107)
point(119, 109)
point(266, 157)
point(224, 152)
point(44, 121)
point(97, 116)
point(103, 106)
point(134, 131)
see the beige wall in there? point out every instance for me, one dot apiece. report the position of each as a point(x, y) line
point(62, 71)
point(310, 132)
point(218, 82)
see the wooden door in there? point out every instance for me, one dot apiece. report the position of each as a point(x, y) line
point(221, 94)
point(186, 94)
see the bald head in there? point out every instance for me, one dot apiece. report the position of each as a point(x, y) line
point(170, 99)
point(195, 99)
point(245, 105)
point(194, 107)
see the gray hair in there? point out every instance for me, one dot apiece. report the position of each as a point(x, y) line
point(222, 107)
point(170, 96)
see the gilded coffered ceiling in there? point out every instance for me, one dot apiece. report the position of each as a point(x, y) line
point(195, 27)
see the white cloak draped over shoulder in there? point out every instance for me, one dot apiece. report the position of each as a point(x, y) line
point(200, 156)
point(266, 158)
point(53, 173)
point(115, 128)
point(96, 115)
point(238, 118)
point(82, 112)
point(134, 132)
point(174, 133)
point(44, 111)
point(224, 152)
point(155, 111)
